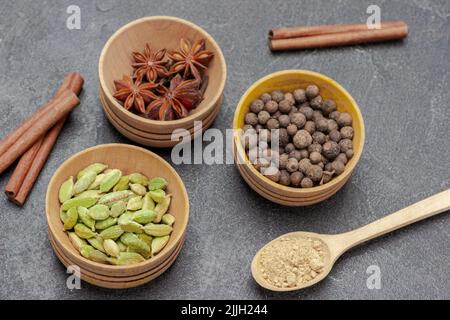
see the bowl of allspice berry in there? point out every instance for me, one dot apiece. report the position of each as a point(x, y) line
point(298, 137)
point(158, 74)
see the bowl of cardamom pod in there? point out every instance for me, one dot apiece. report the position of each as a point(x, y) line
point(117, 212)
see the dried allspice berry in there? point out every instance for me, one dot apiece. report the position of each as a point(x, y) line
point(316, 103)
point(289, 97)
point(302, 139)
point(285, 106)
point(298, 119)
point(307, 183)
point(330, 149)
point(263, 117)
point(310, 126)
point(303, 165)
point(312, 91)
point(271, 106)
point(284, 120)
point(328, 106)
point(300, 95)
point(315, 147)
point(306, 110)
point(344, 119)
point(273, 124)
point(292, 129)
point(338, 167)
point(335, 136)
point(347, 132)
point(314, 172)
point(257, 106)
point(345, 145)
point(265, 97)
point(277, 96)
point(296, 178)
point(342, 158)
point(285, 178)
point(292, 165)
point(315, 157)
point(251, 119)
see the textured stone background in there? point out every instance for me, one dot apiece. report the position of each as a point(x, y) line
point(402, 89)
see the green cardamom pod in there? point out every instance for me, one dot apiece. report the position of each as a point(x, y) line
point(139, 178)
point(96, 184)
point(97, 243)
point(99, 212)
point(131, 226)
point(77, 242)
point(108, 222)
point(161, 208)
point(83, 214)
point(157, 183)
point(158, 195)
point(66, 190)
point(144, 216)
point(71, 219)
point(117, 208)
point(147, 202)
point(62, 215)
point(84, 232)
point(113, 232)
point(168, 219)
point(84, 182)
point(127, 258)
point(98, 256)
point(127, 216)
point(112, 260)
point(95, 167)
point(139, 246)
point(135, 203)
point(157, 230)
point(97, 194)
point(127, 238)
point(145, 254)
point(146, 238)
point(78, 202)
point(122, 184)
point(121, 246)
point(159, 243)
point(110, 180)
point(111, 198)
point(111, 248)
point(139, 189)
point(86, 250)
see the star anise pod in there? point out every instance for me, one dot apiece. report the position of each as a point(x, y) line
point(134, 93)
point(175, 101)
point(149, 64)
point(190, 59)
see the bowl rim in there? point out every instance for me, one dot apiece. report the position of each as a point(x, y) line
point(191, 117)
point(243, 154)
point(61, 169)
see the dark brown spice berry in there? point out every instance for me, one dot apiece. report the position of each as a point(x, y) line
point(277, 95)
point(330, 149)
point(307, 183)
point(296, 154)
point(328, 106)
point(334, 115)
point(310, 126)
point(283, 137)
point(251, 119)
point(342, 158)
point(284, 106)
point(265, 97)
point(317, 114)
point(272, 124)
point(349, 154)
point(300, 95)
point(345, 145)
point(306, 110)
point(314, 172)
point(274, 174)
point(271, 106)
point(347, 132)
point(296, 178)
point(289, 148)
point(298, 119)
point(302, 139)
point(322, 125)
point(338, 167)
point(315, 147)
point(292, 165)
point(283, 160)
point(316, 103)
point(276, 114)
point(263, 117)
point(335, 136)
point(312, 91)
point(294, 109)
point(328, 167)
point(304, 154)
point(321, 165)
point(257, 106)
point(326, 177)
point(289, 97)
point(344, 119)
point(303, 165)
point(285, 178)
point(332, 125)
point(281, 150)
point(292, 129)
point(284, 120)
point(318, 137)
point(315, 157)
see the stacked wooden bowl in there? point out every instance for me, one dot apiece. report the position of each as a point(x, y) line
point(290, 80)
point(129, 159)
point(116, 59)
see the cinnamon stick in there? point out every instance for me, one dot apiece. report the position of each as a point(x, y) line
point(307, 31)
point(60, 106)
point(340, 39)
point(72, 82)
point(32, 161)
point(38, 163)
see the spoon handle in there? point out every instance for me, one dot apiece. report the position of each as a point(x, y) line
point(426, 208)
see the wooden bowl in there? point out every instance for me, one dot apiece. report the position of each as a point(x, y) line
point(129, 159)
point(159, 32)
point(150, 139)
point(289, 80)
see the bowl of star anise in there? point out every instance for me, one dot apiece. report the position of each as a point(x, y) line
point(158, 74)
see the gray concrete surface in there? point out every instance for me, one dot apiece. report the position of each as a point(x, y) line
point(402, 89)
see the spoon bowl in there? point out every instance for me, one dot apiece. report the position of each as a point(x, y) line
point(335, 245)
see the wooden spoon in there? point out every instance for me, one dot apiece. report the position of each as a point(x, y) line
point(336, 244)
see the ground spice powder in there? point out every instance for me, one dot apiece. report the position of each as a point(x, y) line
point(292, 261)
